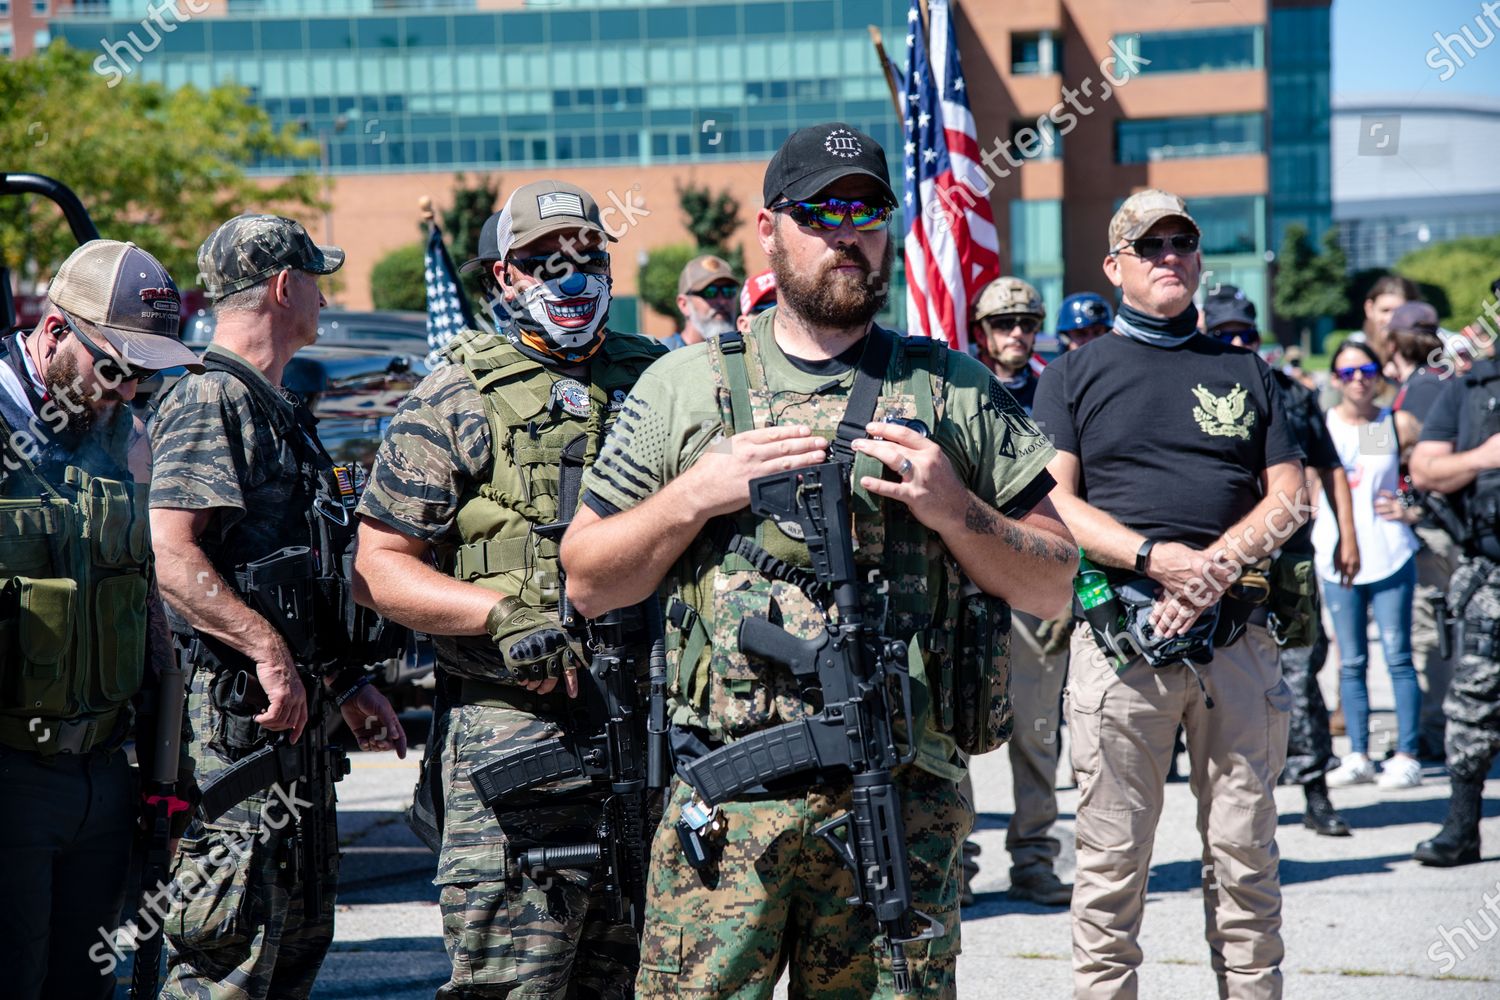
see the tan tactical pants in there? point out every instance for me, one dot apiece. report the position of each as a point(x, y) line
point(1122, 729)
point(1036, 683)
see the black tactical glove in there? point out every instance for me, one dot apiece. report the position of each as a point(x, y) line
point(531, 646)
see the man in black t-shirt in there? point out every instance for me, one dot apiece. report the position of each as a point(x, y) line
point(1229, 316)
point(1459, 454)
point(1176, 464)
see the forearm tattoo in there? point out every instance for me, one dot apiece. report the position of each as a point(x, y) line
point(981, 520)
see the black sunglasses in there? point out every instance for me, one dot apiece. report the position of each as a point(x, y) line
point(718, 290)
point(552, 266)
point(106, 367)
point(1152, 246)
point(1001, 324)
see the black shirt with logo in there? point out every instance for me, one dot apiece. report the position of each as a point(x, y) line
point(1172, 442)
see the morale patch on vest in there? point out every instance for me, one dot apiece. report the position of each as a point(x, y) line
point(1223, 416)
point(572, 395)
point(616, 400)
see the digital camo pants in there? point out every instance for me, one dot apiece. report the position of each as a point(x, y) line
point(776, 901)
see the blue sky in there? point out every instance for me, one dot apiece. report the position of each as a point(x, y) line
point(1382, 46)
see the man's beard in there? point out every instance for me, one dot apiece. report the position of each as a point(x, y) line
point(828, 299)
point(64, 384)
point(713, 325)
point(1015, 358)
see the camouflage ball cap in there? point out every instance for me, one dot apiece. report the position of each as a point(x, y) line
point(1143, 210)
point(249, 249)
point(1009, 296)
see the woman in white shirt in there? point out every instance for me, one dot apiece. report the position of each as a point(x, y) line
point(1365, 435)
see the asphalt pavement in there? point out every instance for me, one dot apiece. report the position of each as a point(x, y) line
point(1361, 919)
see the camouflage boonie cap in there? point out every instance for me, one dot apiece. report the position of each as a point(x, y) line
point(249, 249)
point(1009, 296)
point(1143, 210)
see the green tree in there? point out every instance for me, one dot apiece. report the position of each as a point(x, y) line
point(397, 281)
point(657, 281)
point(712, 218)
point(473, 203)
point(1310, 285)
point(1462, 269)
point(161, 168)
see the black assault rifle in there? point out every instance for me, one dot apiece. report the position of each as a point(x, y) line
point(159, 802)
point(854, 667)
point(280, 589)
point(603, 740)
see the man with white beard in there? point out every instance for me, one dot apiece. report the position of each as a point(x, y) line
point(708, 296)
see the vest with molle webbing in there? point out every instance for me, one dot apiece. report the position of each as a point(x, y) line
point(75, 565)
point(529, 429)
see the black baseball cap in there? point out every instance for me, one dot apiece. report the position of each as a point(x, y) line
point(814, 157)
point(1227, 304)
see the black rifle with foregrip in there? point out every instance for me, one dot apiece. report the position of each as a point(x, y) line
point(865, 686)
point(606, 738)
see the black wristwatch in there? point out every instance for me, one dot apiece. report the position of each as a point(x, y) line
point(1143, 554)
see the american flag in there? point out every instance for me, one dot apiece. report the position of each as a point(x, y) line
point(952, 249)
point(447, 310)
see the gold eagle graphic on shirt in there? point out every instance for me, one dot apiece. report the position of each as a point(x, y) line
point(1223, 416)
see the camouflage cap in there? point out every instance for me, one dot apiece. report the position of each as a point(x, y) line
point(121, 295)
point(532, 211)
point(1143, 210)
point(249, 249)
point(1009, 296)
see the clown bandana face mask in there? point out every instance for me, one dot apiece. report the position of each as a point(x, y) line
point(562, 318)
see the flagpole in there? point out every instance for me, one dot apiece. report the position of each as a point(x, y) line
point(424, 206)
point(885, 68)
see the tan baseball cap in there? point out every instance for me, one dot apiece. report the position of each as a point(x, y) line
point(1009, 296)
point(534, 210)
point(1143, 210)
point(703, 271)
point(121, 295)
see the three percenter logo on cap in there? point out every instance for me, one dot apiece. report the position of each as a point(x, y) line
point(843, 143)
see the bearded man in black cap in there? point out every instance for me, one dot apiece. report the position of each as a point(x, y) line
point(936, 502)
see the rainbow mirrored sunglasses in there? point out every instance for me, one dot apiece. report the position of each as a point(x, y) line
point(831, 213)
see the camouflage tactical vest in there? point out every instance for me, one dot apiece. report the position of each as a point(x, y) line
point(913, 589)
point(75, 560)
point(526, 405)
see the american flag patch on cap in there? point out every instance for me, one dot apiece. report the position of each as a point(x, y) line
point(559, 203)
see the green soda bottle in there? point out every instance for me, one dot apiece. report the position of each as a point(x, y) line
point(1101, 608)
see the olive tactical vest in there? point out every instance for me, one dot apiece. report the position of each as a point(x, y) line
point(908, 577)
point(75, 561)
point(526, 405)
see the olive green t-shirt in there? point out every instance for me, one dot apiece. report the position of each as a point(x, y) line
point(673, 414)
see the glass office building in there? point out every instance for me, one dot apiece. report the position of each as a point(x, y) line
point(443, 88)
point(412, 87)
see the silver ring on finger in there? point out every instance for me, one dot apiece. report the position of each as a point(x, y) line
point(905, 469)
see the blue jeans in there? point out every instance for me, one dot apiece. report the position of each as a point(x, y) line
point(1349, 607)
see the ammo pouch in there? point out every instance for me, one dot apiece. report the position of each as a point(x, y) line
point(238, 698)
point(279, 588)
point(980, 676)
point(1294, 605)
